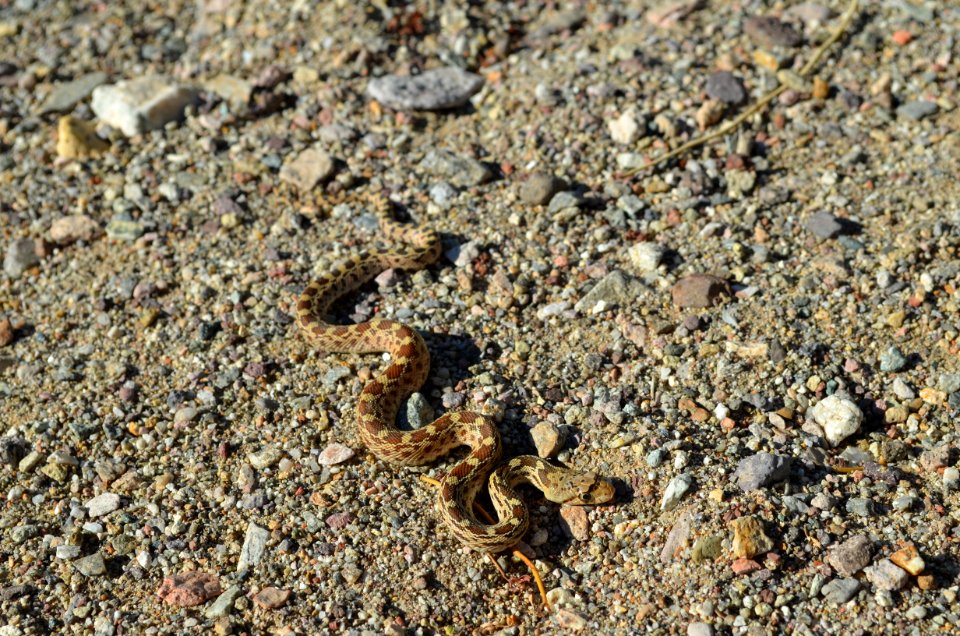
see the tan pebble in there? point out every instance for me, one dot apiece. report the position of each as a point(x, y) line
point(908, 559)
point(932, 396)
point(548, 438)
point(77, 139)
point(149, 317)
point(271, 597)
point(896, 319)
point(709, 113)
point(926, 582)
point(749, 538)
point(223, 626)
point(821, 89)
point(766, 60)
point(75, 227)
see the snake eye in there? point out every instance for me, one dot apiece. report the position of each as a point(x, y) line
point(586, 496)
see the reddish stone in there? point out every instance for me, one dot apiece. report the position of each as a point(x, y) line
point(745, 566)
point(699, 290)
point(902, 37)
point(189, 589)
point(340, 520)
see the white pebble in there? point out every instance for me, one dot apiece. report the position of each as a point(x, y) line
point(838, 417)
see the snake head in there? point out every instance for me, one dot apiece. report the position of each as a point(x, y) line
point(584, 489)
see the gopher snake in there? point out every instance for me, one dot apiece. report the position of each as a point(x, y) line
point(410, 361)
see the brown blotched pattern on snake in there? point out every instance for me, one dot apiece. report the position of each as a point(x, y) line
point(380, 400)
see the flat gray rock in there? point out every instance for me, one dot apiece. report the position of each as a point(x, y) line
point(64, 96)
point(438, 89)
point(840, 591)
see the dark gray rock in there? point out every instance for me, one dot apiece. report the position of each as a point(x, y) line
point(761, 469)
point(726, 87)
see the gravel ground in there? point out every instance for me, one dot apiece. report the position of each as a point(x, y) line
point(759, 341)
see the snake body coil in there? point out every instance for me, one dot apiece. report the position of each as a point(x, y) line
point(415, 248)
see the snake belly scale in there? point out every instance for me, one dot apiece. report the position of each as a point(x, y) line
point(414, 248)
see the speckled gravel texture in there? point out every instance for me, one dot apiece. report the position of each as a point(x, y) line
point(161, 415)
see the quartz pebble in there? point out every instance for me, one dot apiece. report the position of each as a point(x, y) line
point(646, 257)
point(678, 487)
point(254, 547)
point(335, 454)
point(103, 504)
point(837, 417)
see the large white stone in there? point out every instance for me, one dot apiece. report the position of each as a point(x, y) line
point(839, 418)
point(138, 105)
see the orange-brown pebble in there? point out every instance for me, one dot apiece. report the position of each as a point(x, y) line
point(6, 332)
point(902, 37)
point(926, 582)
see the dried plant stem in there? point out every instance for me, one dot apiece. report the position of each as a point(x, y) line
point(761, 103)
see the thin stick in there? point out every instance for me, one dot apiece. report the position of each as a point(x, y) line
point(489, 519)
point(760, 104)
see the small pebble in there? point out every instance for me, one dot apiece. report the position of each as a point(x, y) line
point(886, 576)
point(540, 187)
point(699, 290)
point(678, 487)
point(726, 87)
point(271, 597)
point(307, 169)
point(851, 556)
point(335, 454)
point(839, 591)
